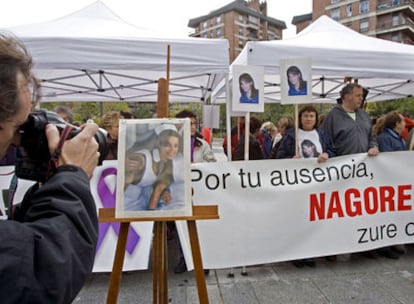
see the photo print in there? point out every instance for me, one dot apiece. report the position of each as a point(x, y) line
point(153, 168)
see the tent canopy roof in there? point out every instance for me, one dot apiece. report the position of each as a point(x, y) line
point(94, 55)
point(386, 68)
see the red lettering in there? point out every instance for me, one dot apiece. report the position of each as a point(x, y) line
point(335, 206)
point(371, 192)
point(386, 194)
point(352, 206)
point(356, 202)
point(317, 207)
point(403, 197)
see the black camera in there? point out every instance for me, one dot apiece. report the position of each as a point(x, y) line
point(33, 159)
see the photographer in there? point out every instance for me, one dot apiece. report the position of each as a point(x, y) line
point(48, 245)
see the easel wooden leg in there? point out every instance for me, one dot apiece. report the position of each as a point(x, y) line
point(115, 279)
point(198, 264)
point(155, 263)
point(160, 283)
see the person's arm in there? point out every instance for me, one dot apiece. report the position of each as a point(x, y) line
point(49, 249)
point(326, 143)
point(156, 195)
point(373, 145)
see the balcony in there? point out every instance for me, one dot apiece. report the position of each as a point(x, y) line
point(395, 6)
point(393, 3)
point(387, 27)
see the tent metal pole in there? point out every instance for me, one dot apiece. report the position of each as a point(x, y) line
point(228, 118)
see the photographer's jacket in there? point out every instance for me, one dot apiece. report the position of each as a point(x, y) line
point(48, 251)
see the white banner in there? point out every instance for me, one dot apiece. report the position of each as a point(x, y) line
point(279, 210)
point(275, 210)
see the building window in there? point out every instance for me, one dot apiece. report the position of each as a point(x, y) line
point(348, 24)
point(349, 10)
point(335, 14)
point(395, 37)
point(218, 20)
point(395, 20)
point(334, 1)
point(364, 6)
point(241, 32)
point(253, 20)
point(363, 25)
point(241, 43)
point(205, 24)
point(395, 2)
point(218, 33)
point(241, 18)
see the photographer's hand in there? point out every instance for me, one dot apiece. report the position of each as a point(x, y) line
point(80, 151)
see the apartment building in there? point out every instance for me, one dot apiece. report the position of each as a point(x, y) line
point(239, 21)
point(385, 19)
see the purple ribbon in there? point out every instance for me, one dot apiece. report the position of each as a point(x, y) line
point(108, 200)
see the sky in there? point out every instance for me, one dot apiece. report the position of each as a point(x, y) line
point(169, 17)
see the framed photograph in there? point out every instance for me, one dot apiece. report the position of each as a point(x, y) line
point(248, 89)
point(296, 80)
point(153, 177)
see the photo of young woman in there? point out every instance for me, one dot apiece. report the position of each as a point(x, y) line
point(249, 93)
point(153, 161)
point(297, 85)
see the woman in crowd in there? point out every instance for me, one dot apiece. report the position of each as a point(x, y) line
point(320, 144)
point(297, 86)
point(200, 149)
point(389, 130)
point(271, 137)
point(249, 94)
point(308, 132)
point(110, 122)
point(285, 123)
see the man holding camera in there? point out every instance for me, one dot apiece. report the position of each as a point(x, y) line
point(48, 245)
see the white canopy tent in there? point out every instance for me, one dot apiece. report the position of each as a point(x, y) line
point(93, 55)
point(385, 68)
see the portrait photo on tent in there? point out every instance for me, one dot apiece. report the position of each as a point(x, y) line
point(296, 80)
point(248, 89)
point(153, 168)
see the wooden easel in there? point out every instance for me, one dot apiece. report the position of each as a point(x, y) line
point(160, 282)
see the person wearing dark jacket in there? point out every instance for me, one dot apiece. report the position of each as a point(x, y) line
point(48, 244)
point(350, 130)
point(348, 126)
point(313, 143)
point(310, 137)
point(389, 137)
point(255, 149)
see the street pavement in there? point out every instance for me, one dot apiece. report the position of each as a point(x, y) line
point(360, 280)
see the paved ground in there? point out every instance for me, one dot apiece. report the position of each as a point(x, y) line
point(360, 280)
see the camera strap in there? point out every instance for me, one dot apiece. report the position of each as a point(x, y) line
point(54, 160)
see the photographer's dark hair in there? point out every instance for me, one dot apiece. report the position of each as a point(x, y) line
point(14, 58)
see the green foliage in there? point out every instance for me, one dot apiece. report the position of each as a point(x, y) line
point(403, 105)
